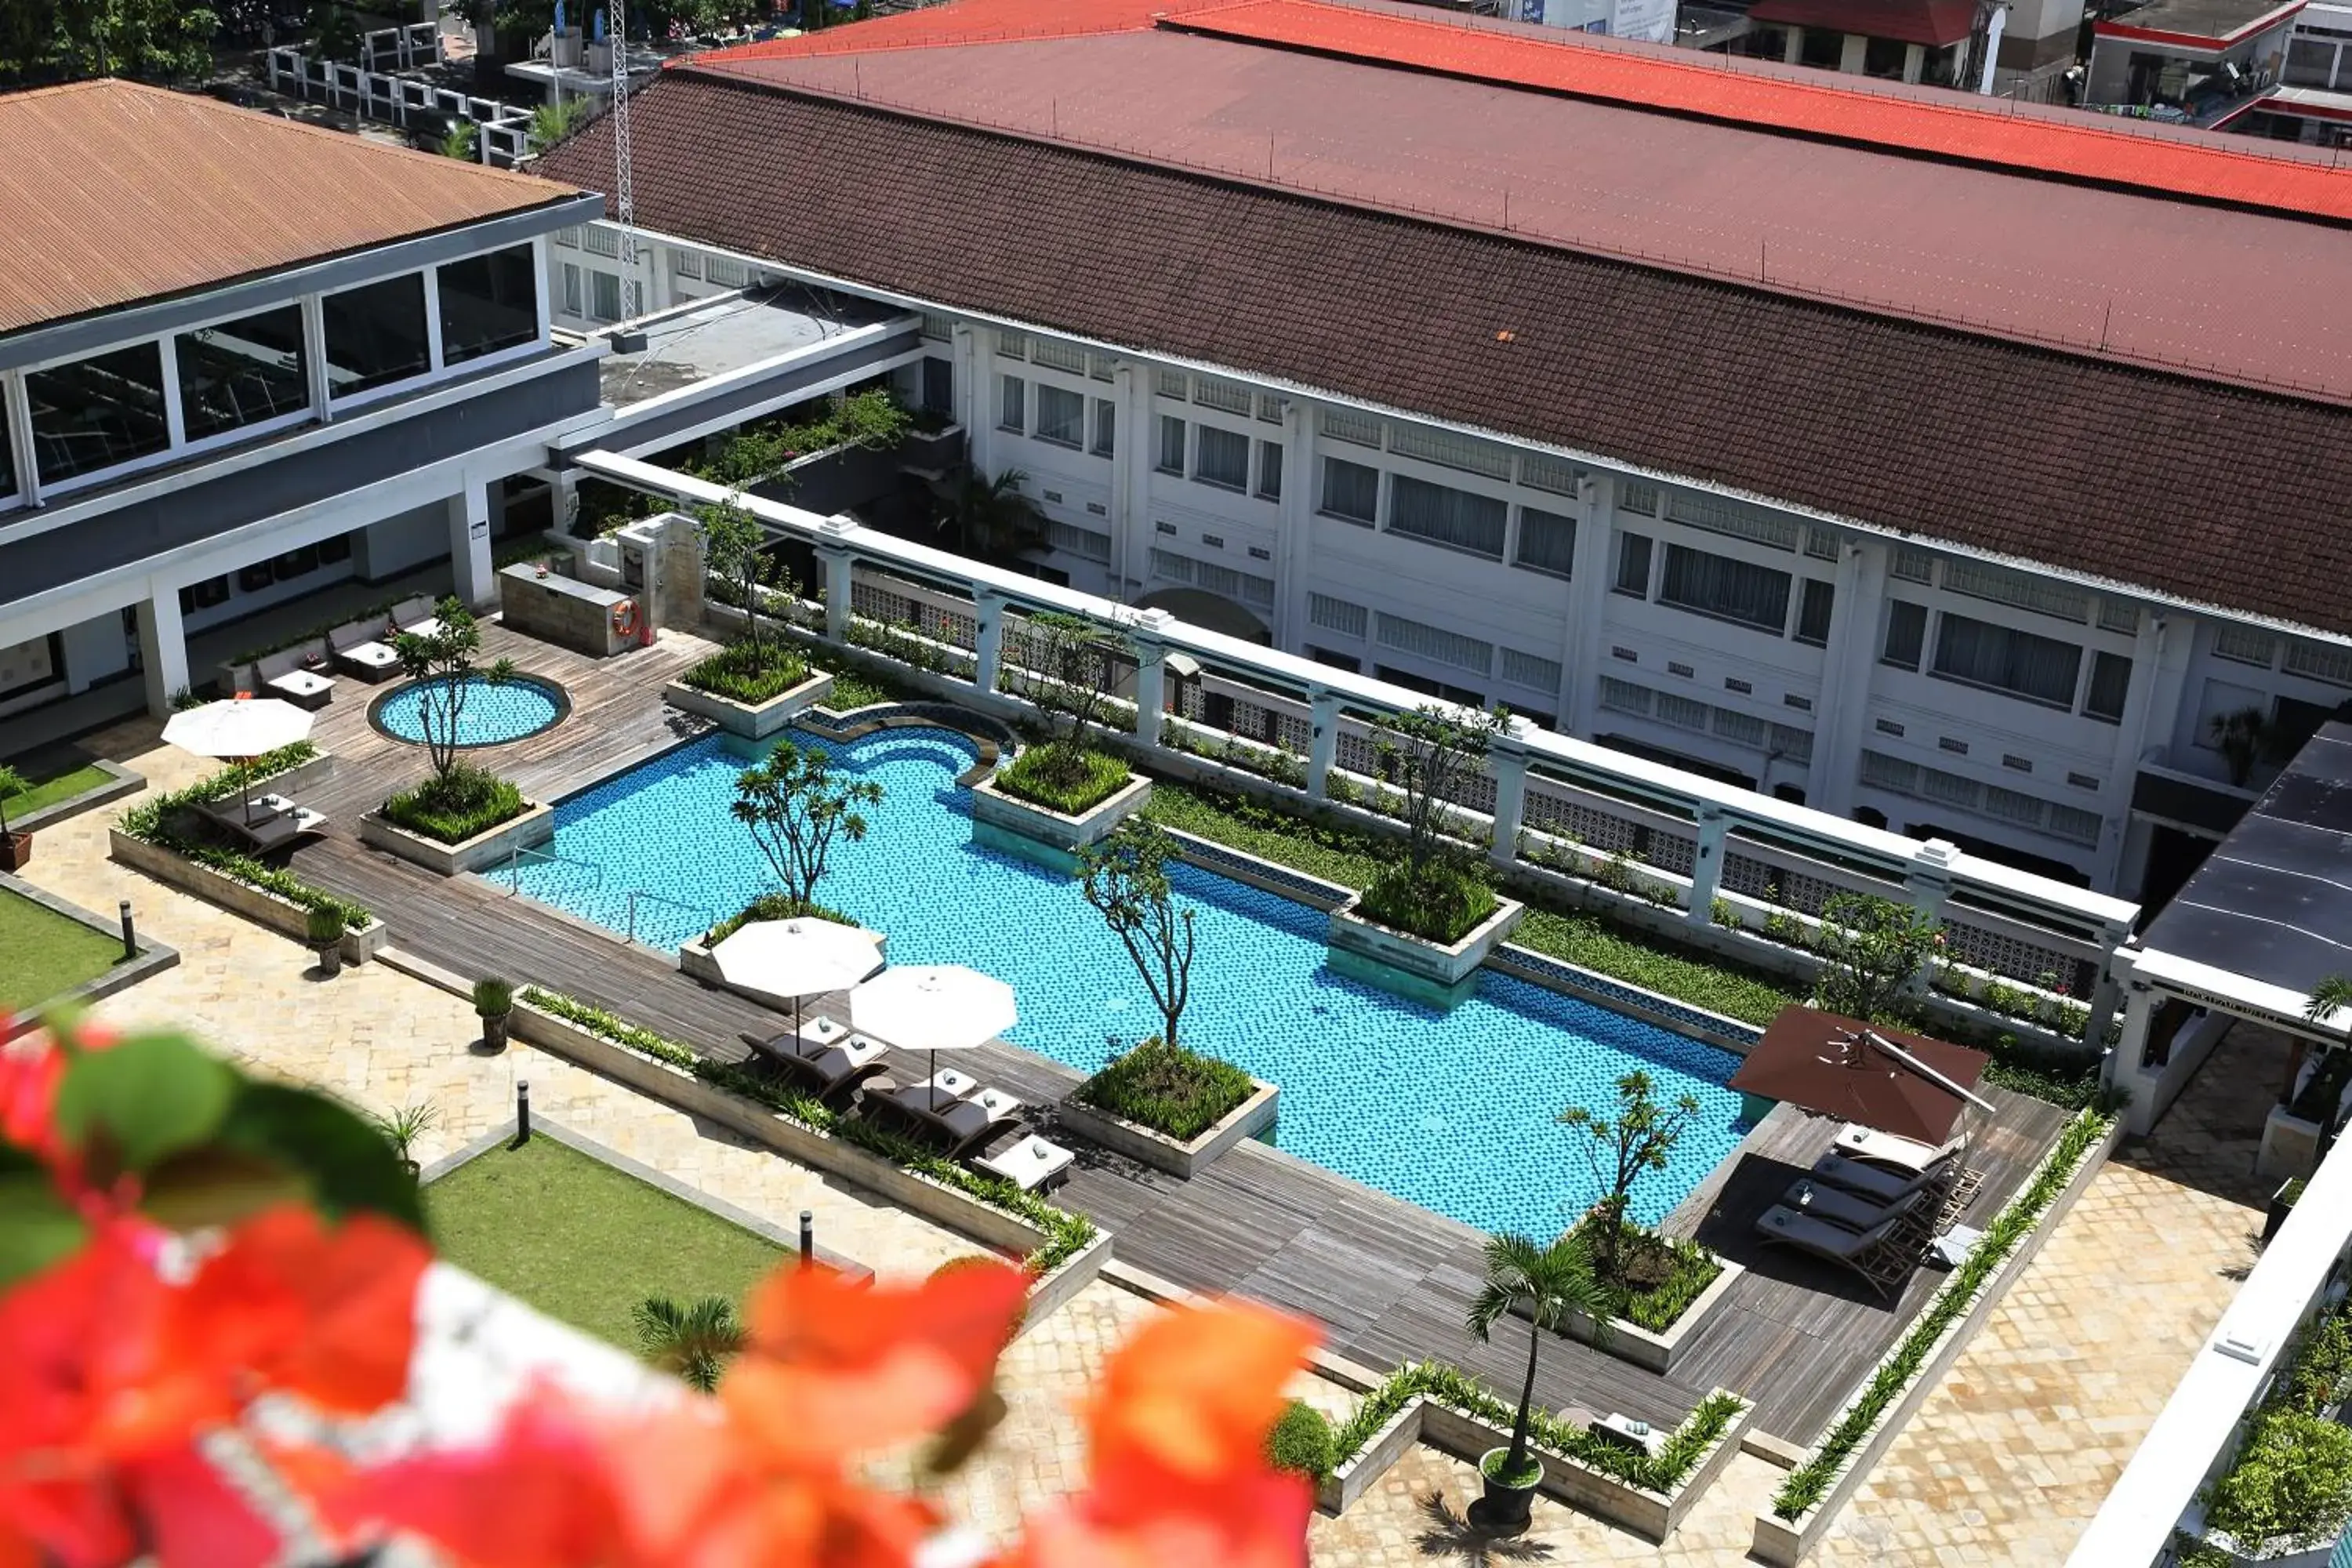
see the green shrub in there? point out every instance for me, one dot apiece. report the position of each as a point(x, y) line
point(2290, 1487)
point(1301, 1443)
point(1442, 903)
point(156, 821)
point(772, 907)
point(1723, 913)
point(748, 672)
point(324, 926)
point(493, 998)
point(1063, 777)
point(1662, 1276)
point(454, 807)
point(1809, 1482)
point(1168, 1088)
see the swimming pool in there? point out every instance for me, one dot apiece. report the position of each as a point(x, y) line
point(1453, 1112)
point(493, 714)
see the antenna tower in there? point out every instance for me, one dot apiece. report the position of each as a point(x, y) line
point(624, 198)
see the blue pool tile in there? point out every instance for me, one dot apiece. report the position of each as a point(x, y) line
point(493, 712)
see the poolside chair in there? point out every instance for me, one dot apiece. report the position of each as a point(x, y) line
point(358, 648)
point(1849, 1210)
point(814, 1035)
point(1885, 1186)
point(833, 1072)
point(963, 1128)
point(1905, 1155)
point(1033, 1165)
point(1872, 1254)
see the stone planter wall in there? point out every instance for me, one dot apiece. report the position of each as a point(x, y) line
point(152, 957)
point(566, 611)
point(1027, 820)
point(1648, 1348)
point(1160, 1151)
point(2290, 1146)
point(263, 907)
point(754, 721)
point(120, 782)
point(483, 851)
point(1428, 971)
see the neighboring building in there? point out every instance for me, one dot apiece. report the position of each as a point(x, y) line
point(242, 359)
point(2313, 102)
point(1756, 502)
point(1924, 42)
point(2188, 62)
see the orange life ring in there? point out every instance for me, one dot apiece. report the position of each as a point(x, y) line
point(625, 618)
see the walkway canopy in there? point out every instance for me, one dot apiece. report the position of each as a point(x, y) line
point(1897, 1082)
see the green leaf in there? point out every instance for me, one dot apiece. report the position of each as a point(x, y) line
point(37, 1227)
point(217, 1185)
point(145, 1098)
point(347, 1164)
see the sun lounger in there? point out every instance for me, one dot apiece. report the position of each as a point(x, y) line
point(261, 831)
point(1849, 1209)
point(814, 1035)
point(1907, 1155)
point(938, 1092)
point(358, 648)
point(835, 1070)
point(1871, 1181)
point(1869, 1253)
point(1032, 1164)
point(964, 1127)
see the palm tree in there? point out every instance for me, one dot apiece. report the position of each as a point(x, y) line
point(1553, 1283)
point(696, 1341)
point(2330, 993)
point(991, 517)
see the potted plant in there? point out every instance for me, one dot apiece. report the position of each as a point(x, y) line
point(15, 848)
point(326, 939)
point(494, 1005)
point(404, 1126)
point(1552, 1282)
point(2282, 1204)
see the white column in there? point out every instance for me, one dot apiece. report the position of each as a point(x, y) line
point(2115, 965)
point(839, 564)
point(1324, 749)
point(1851, 54)
point(1506, 759)
point(1150, 687)
point(2131, 742)
point(976, 396)
point(1127, 445)
point(988, 641)
point(1927, 883)
point(1846, 667)
point(1140, 442)
point(1297, 545)
point(314, 357)
point(17, 435)
point(469, 548)
point(163, 649)
point(1587, 606)
point(2131, 1047)
point(1914, 61)
point(1706, 865)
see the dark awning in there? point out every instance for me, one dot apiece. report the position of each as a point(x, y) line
point(1822, 1062)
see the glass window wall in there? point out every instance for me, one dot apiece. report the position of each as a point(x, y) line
point(97, 413)
point(375, 335)
point(242, 373)
point(487, 304)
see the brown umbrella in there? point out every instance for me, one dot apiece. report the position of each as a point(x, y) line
point(1894, 1081)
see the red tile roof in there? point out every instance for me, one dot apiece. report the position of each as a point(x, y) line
point(116, 192)
point(2063, 459)
point(1936, 24)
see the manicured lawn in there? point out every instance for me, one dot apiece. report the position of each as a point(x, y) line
point(584, 1242)
point(42, 954)
point(47, 790)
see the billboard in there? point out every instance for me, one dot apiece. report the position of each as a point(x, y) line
point(1652, 21)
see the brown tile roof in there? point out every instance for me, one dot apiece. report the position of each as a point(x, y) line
point(116, 192)
point(2192, 488)
point(1934, 23)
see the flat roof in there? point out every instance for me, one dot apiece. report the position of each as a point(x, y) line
point(2273, 902)
point(2214, 24)
point(117, 193)
point(720, 337)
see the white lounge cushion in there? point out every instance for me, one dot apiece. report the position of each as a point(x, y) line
point(1859, 1143)
point(1029, 1164)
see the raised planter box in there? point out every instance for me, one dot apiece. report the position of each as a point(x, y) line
point(754, 721)
point(152, 956)
point(1364, 949)
point(966, 1215)
point(120, 782)
point(694, 962)
point(1648, 1348)
point(258, 905)
point(483, 850)
point(1161, 1152)
point(2290, 1146)
point(1028, 822)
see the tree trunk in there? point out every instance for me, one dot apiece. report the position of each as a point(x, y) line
point(1518, 1454)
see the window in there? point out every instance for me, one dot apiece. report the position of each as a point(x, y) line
point(938, 328)
point(1061, 416)
point(1164, 526)
point(1339, 424)
point(1100, 366)
point(1977, 653)
point(1171, 384)
point(1214, 540)
point(204, 595)
point(9, 482)
point(1633, 565)
point(1442, 446)
point(1434, 643)
point(1536, 674)
point(1347, 661)
point(2037, 594)
point(2110, 684)
point(241, 373)
point(1882, 57)
point(1639, 496)
point(938, 386)
point(1225, 396)
point(1547, 543)
point(598, 240)
point(1106, 427)
point(98, 412)
point(1013, 345)
point(487, 304)
point(1444, 515)
point(1337, 614)
point(605, 296)
point(686, 264)
point(2245, 645)
point(722, 270)
point(1912, 566)
point(1350, 490)
point(1059, 356)
point(572, 297)
point(1171, 444)
point(1725, 588)
point(1813, 613)
point(295, 563)
point(1011, 403)
point(1080, 542)
point(1269, 471)
point(1220, 457)
point(1556, 475)
point(375, 334)
point(1729, 517)
point(1906, 633)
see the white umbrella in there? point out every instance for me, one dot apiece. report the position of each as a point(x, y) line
point(933, 1007)
point(797, 958)
point(238, 728)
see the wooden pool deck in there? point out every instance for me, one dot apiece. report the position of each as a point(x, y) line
point(1391, 1282)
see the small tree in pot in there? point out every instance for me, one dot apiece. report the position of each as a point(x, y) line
point(494, 1005)
point(326, 938)
point(15, 848)
point(1552, 1283)
point(1439, 889)
point(404, 1126)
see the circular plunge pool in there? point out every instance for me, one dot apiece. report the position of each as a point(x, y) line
point(491, 714)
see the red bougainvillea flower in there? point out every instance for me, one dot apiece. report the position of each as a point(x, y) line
point(1179, 1424)
point(835, 1366)
point(31, 1067)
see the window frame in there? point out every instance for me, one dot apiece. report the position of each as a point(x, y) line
point(1171, 427)
point(1566, 573)
point(1012, 404)
point(1202, 435)
point(1896, 609)
point(1629, 545)
point(1323, 507)
point(1077, 440)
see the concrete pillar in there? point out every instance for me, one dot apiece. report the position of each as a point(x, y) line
point(1125, 453)
point(1792, 46)
point(2106, 991)
point(1927, 884)
point(988, 642)
point(2125, 1061)
point(1846, 666)
point(1706, 865)
point(1151, 674)
point(836, 563)
point(1915, 62)
point(1296, 550)
point(1588, 606)
point(1324, 749)
point(1506, 759)
point(1851, 54)
point(163, 649)
point(564, 501)
point(2130, 743)
point(469, 548)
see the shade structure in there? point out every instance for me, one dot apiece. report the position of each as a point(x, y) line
point(933, 1007)
point(238, 727)
point(1897, 1082)
point(796, 959)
